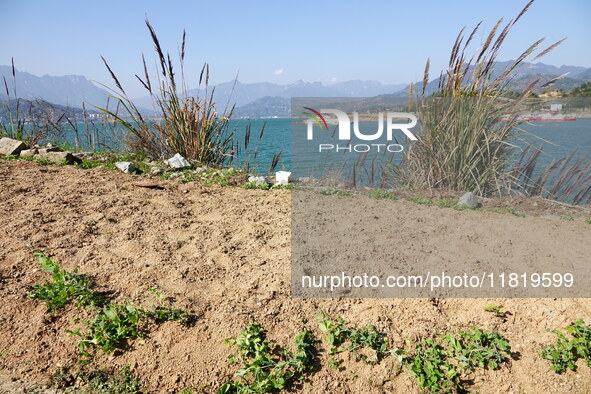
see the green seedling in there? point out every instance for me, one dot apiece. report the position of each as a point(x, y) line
point(334, 192)
point(509, 210)
point(115, 324)
point(64, 287)
point(567, 218)
point(265, 370)
point(255, 185)
point(496, 310)
point(477, 348)
point(432, 370)
point(420, 200)
point(566, 352)
point(381, 194)
point(344, 339)
point(437, 365)
point(102, 381)
point(446, 203)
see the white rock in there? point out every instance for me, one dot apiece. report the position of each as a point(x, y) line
point(282, 178)
point(469, 200)
point(259, 180)
point(178, 161)
point(125, 166)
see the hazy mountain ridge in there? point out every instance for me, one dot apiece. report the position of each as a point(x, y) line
point(256, 99)
point(67, 90)
point(265, 107)
point(524, 74)
point(40, 110)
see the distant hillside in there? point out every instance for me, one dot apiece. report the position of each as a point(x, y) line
point(265, 107)
point(40, 110)
point(245, 93)
point(68, 90)
point(586, 74)
point(581, 91)
point(525, 74)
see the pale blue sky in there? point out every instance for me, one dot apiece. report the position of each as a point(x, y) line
point(387, 41)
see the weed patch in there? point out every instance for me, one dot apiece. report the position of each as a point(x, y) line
point(508, 210)
point(113, 324)
point(254, 185)
point(497, 311)
point(381, 194)
point(436, 363)
point(344, 339)
point(64, 287)
point(334, 192)
point(264, 369)
point(565, 353)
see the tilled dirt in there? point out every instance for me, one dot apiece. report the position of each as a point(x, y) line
point(223, 253)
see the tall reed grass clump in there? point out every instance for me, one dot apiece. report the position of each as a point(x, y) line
point(185, 124)
point(468, 124)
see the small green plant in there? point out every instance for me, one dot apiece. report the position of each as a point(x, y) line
point(64, 288)
point(514, 212)
point(282, 187)
point(255, 185)
point(477, 348)
point(448, 203)
point(115, 324)
point(432, 370)
point(565, 353)
point(496, 310)
point(508, 210)
point(567, 218)
point(264, 370)
point(334, 192)
point(344, 339)
point(437, 365)
point(381, 194)
point(588, 220)
point(420, 200)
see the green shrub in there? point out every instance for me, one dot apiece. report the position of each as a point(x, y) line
point(565, 353)
point(115, 324)
point(64, 287)
point(264, 370)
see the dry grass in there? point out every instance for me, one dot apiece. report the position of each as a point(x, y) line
point(191, 126)
point(467, 126)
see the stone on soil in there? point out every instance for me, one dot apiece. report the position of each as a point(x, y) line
point(8, 146)
point(468, 200)
point(125, 166)
point(178, 161)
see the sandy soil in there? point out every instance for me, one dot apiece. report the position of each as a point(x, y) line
point(224, 254)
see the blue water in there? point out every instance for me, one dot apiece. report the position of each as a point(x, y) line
point(558, 139)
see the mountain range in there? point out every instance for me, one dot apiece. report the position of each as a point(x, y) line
point(67, 90)
point(265, 99)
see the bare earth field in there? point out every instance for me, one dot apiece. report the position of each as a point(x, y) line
point(224, 254)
